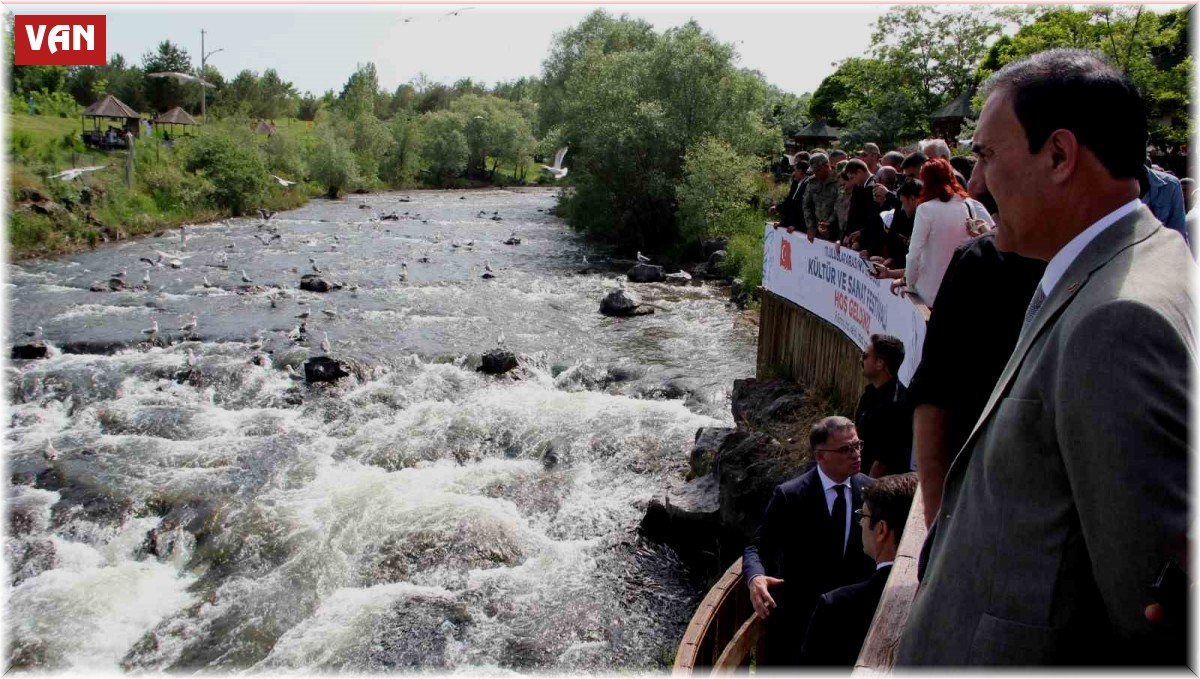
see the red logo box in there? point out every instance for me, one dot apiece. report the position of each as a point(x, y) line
point(59, 40)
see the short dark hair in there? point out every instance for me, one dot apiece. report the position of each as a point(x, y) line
point(821, 431)
point(838, 152)
point(964, 165)
point(914, 159)
point(891, 499)
point(1063, 89)
point(890, 349)
point(911, 188)
point(856, 165)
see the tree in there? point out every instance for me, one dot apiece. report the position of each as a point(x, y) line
point(400, 164)
point(307, 107)
point(443, 146)
point(276, 97)
point(358, 95)
point(495, 128)
point(630, 116)
point(331, 163)
point(873, 108)
point(231, 162)
point(787, 111)
point(165, 93)
point(717, 181)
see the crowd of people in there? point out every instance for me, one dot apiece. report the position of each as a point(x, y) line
point(1047, 420)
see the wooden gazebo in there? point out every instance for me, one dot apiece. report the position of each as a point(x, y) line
point(108, 107)
point(175, 116)
point(816, 134)
point(946, 122)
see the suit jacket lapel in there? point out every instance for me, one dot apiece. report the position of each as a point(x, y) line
point(1124, 233)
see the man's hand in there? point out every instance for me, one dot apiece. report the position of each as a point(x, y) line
point(812, 235)
point(880, 192)
point(760, 597)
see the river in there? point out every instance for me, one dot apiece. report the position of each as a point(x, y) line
point(416, 515)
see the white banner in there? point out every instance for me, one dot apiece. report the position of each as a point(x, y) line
point(836, 286)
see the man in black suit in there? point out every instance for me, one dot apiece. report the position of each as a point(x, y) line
point(804, 545)
point(791, 208)
point(843, 616)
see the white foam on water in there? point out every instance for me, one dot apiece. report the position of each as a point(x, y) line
point(102, 310)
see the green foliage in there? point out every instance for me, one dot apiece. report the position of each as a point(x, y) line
point(494, 128)
point(331, 163)
point(400, 165)
point(162, 94)
point(56, 103)
point(230, 161)
point(19, 143)
point(1150, 46)
point(171, 188)
point(744, 254)
point(357, 98)
point(631, 115)
point(444, 145)
point(283, 156)
point(717, 181)
point(875, 109)
point(787, 111)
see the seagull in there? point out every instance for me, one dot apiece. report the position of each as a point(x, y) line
point(266, 214)
point(487, 267)
point(681, 276)
point(303, 314)
point(642, 258)
point(146, 278)
point(36, 333)
point(500, 339)
point(68, 175)
point(121, 274)
point(325, 343)
point(190, 326)
point(455, 12)
point(585, 262)
point(314, 265)
point(296, 332)
point(557, 169)
point(181, 77)
point(152, 330)
point(293, 374)
point(283, 182)
point(183, 237)
point(258, 341)
point(332, 313)
point(245, 278)
point(50, 453)
point(205, 282)
point(404, 273)
point(191, 358)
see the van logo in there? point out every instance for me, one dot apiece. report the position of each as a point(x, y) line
point(59, 40)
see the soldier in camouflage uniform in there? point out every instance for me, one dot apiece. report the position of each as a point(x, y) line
point(820, 200)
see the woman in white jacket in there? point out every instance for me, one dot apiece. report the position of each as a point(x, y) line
point(942, 223)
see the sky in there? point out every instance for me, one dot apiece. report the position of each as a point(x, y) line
point(317, 47)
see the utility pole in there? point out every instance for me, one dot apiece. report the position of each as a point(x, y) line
point(203, 58)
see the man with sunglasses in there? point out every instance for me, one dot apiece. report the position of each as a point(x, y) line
point(842, 617)
point(805, 545)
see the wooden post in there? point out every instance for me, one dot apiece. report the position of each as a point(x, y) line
point(129, 163)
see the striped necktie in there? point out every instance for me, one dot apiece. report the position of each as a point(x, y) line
point(1035, 304)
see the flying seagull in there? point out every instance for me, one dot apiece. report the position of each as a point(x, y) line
point(283, 182)
point(557, 169)
point(455, 12)
point(181, 77)
point(68, 175)
point(266, 214)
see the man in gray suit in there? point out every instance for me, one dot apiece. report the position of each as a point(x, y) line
point(1071, 492)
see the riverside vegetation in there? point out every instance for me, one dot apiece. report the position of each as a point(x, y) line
point(669, 137)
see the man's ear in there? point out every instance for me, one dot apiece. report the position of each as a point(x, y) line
point(882, 529)
point(1063, 149)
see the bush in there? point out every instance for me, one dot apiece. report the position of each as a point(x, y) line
point(172, 189)
point(744, 256)
point(283, 157)
point(231, 163)
point(400, 165)
point(57, 103)
point(19, 143)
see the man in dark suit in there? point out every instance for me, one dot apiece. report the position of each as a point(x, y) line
point(791, 208)
point(804, 545)
point(1071, 491)
point(843, 616)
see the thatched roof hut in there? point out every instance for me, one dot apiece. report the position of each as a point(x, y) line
point(110, 107)
point(815, 134)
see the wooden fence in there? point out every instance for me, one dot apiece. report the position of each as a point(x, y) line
point(797, 344)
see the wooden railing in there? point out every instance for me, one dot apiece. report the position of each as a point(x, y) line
point(723, 630)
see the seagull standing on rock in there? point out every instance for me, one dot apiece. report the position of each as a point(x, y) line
point(643, 259)
point(325, 346)
point(152, 330)
point(49, 452)
point(245, 278)
point(146, 279)
point(190, 326)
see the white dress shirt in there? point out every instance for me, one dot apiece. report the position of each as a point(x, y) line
point(1066, 256)
point(883, 564)
point(831, 495)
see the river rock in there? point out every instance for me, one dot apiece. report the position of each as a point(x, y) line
point(688, 520)
point(738, 295)
point(708, 441)
point(758, 402)
point(622, 303)
point(33, 350)
point(513, 241)
point(497, 362)
point(323, 369)
point(748, 466)
point(646, 273)
point(315, 283)
point(714, 244)
point(713, 265)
